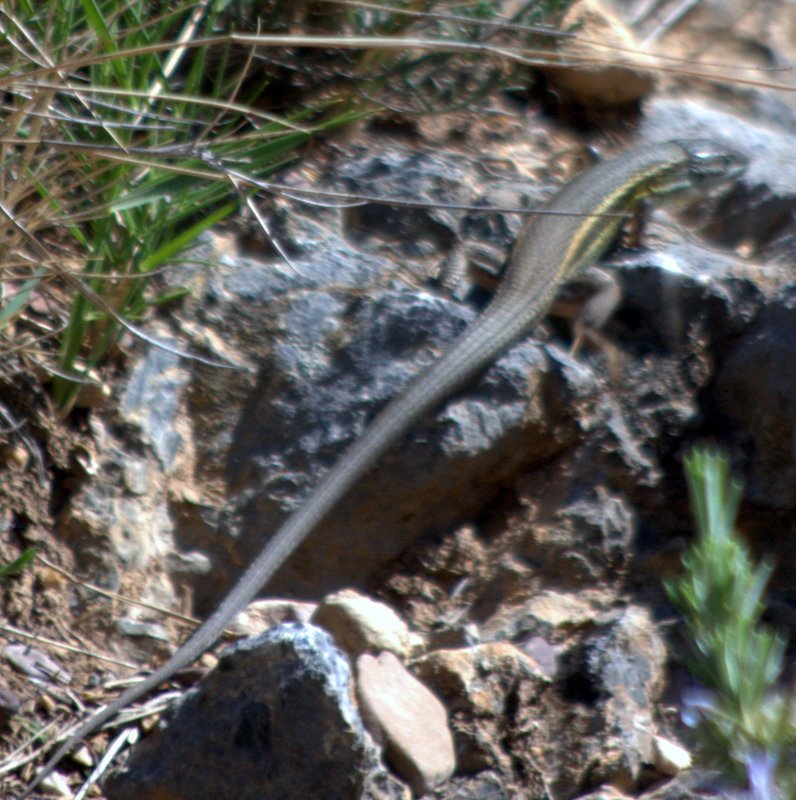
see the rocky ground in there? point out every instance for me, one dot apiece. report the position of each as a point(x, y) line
point(503, 630)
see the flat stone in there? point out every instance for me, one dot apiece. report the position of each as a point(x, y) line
point(408, 719)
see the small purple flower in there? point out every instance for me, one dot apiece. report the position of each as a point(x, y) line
point(697, 703)
point(761, 771)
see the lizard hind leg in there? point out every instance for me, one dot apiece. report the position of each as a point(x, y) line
point(594, 313)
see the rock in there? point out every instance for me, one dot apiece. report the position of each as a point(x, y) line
point(669, 757)
point(605, 793)
point(151, 401)
point(450, 636)
point(559, 611)
point(135, 528)
point(83, 756)
point(380, 784)
point(330, 361)
point(261, 615)
point(574, 532)
point(599, 85)
point(274, 719)
point(131, 626)
point(493, 692)
point(290, 426)
point(543, 653)
point(94, 393)
point(486, 785)
point(618, 673)
point(15, 456)
point(56, 783)
point(754, 390)
point(761, 212)
point(41, 668)
point(409, 721)
point(362, 625)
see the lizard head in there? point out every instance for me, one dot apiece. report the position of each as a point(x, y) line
point(705, 166)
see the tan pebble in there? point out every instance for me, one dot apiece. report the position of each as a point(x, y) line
point(17, 456)
point(408, 719)
point(48, 578)
point(669, 757)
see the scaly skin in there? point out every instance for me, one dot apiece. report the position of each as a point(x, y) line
point(551, 250)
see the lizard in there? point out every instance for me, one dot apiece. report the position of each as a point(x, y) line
point(550, 250)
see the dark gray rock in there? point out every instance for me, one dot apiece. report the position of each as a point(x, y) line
point(486, 785)
point(293, 425)
point(151, 401)
point(754, 396)
point(275, 719)
point(618, 672)
point(329, 361)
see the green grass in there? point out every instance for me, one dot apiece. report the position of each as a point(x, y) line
point(129, 128)
point(108, 175)
point(19, 564)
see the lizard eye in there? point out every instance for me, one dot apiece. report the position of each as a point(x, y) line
point(712, 164)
